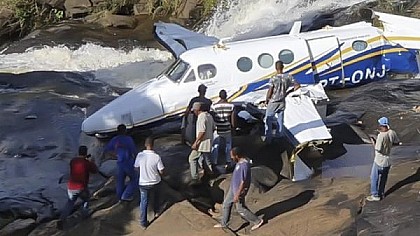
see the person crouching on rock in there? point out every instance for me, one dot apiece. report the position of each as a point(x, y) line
point(123, 148)
point(239, 185)
point(151, 168)
point(80, 167)
point(382, 163)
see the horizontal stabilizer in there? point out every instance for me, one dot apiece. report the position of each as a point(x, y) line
point(297, 25)
point(178, 39)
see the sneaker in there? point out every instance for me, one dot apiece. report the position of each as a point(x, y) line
point(219, 226)
point(257, 225)
point(372, 198)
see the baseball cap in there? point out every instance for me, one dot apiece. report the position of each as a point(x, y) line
point(202, 87)
point(383, 121)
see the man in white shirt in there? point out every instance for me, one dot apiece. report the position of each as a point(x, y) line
point(151, 168)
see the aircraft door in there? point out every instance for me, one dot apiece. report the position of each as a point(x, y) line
point(326, 61)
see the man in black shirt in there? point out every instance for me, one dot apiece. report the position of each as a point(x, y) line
point(201, 98)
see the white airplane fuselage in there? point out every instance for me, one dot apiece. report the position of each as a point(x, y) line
point(336, 57)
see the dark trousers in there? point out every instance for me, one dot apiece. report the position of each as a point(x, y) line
point(73, 195)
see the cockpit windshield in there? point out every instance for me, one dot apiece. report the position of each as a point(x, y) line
point(176, 71)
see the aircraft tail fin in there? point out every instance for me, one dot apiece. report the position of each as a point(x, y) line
point(297, 25)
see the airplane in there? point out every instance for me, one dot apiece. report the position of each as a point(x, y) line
point(332, 57)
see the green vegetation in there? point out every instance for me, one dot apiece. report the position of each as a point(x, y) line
point(396, 7)
point(28, 14)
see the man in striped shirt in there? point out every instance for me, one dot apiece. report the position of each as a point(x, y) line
point(225, 120)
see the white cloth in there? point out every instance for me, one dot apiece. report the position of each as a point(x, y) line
point(150, 164)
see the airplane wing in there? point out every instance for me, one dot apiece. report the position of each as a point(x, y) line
point(178, 39)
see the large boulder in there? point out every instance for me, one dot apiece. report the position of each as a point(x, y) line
point(77, 8)
point(19, 227)
point(5, 17)
point(97, 2)
point(119, 21)
point(58, 4)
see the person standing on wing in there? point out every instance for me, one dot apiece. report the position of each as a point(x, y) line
point(225, 120)
point(275, 100)
point(382, 163)
point(123, 148)
point(239, 186)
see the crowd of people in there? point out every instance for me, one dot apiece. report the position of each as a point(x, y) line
point(213, 129)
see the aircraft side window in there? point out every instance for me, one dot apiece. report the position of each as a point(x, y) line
point(265, 60)
point(359, 45)
point(286, 56)
point(244, 64)
point(207, 71)
point(190, 77)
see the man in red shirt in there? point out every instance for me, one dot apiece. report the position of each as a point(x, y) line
point(80, 167)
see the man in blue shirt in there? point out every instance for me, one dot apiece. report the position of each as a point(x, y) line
point(241, 180)
point(123, 148)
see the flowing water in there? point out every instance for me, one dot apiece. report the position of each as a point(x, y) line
point(47, 90)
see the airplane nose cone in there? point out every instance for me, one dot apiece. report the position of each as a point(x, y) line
point(103, 121)
point(136, 107)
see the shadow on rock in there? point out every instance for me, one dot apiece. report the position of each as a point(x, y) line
point(287, 205)
point(410, 179)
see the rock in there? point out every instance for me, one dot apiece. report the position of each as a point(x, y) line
point(119, 21)
point(6, 18)
point(264, 176)
point(184, 12)
point(184, 219)
point(19, 227)
point(109, 168)
point(77, 8)
point(58, 4)
point(141, 8)
point(96, 3)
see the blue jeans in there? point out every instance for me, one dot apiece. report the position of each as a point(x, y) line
point(378, 178)
point(125, 169)
point(72, 198)
point(218, 139)
point(241, 208)
point(269, 120)
point(148, 192)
